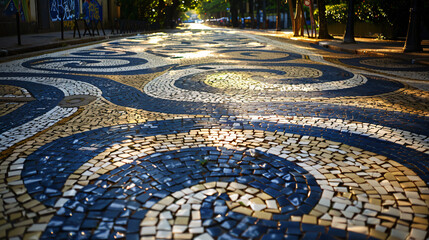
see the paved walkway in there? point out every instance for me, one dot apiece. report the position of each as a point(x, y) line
point(381, 48)
point(208, 133)
point(363, 46)
point(46, 41)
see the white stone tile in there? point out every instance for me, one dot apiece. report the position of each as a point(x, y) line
point(148, 230)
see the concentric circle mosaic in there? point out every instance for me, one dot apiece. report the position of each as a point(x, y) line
point(206, 179)
point(187, 167)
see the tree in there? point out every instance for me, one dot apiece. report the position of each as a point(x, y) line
point(297, 18)
point(160, 10)
point(215, 8)
point(162, 13)
point(291, 14)
point(323, 24)
point(413, 42)
point(349, 36)
point(252, 15)
point(278, 18)
point(234, 5)
point(172, 14)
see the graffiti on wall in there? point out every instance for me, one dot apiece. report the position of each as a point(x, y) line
point(11, 7)
point(68, 8)
point(92, 10)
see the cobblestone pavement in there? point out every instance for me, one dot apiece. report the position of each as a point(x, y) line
point(212, 134)
point(409, 71)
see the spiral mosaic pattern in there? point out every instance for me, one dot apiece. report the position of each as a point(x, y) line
point(210, 134)
point(193, 172)
point(158, 177)
point(43, 112)
point(102, 66)
point(219, 83)
point(46, 98)
point(100, 60)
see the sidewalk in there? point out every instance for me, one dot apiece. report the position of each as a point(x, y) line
point(364, 46)
point(380, 48)
point(369, 47)
point(44, 41)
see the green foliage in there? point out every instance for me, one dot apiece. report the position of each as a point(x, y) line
point(392, 12)
point(161, 11)
point(380, 36)
point(212, 7)
point(370, 11)
point(336, 13)
point(138, 9)
point(365, 11)
point(188, 15)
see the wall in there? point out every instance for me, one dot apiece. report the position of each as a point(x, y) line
point(361, 29)
point(32, 24)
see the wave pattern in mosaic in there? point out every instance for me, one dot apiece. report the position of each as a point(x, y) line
point(139, 158)
point(240, 137)
point(219, 83)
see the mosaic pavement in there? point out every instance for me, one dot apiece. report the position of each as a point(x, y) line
point(212, 134)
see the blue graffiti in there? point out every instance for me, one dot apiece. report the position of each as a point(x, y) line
point(92, 10)
point(64, 9)
point(10, 9)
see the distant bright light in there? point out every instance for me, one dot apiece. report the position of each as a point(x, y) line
point(197, 26)
point(155, 39)
point(199, 54)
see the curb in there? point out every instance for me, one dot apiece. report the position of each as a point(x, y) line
point(366, 52)
point(3, 52)
point(16, 51)
point(356, 51)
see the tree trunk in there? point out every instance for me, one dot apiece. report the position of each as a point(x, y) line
point(234, 12)
point(251, 13)
point(292, 15)
point(299, 20)
point(349, 36)
point(171, 14)
point(413, 42)
point(160, 18)
point(243, 13)
point(278, 18)
point(264, 14)
point(323, 24)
